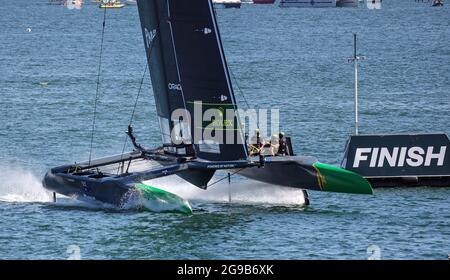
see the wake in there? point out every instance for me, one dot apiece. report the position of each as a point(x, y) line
point(242, 192)
point(19, 185)
point(22, 186)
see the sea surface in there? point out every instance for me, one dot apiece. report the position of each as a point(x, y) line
point(292, 59)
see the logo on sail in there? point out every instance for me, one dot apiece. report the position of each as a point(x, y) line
point(149, 36)
point(205, 30)
point(223, 98)
point(173, 86)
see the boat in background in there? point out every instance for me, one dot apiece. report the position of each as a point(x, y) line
point(73, 4)
point(111, 4)
point(347, 3)
point(228, 3)
point(70, 4)
point(263, 1)
point(437, 3)
point(308, 3)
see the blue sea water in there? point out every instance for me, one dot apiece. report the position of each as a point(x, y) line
point(291, 59)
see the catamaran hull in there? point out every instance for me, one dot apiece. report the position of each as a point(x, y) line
point(286, 171)
point(309, 174)
point(113, 179)
point(107, 191)
point(117, 190)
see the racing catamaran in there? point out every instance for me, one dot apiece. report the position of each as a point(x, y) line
point(190, 77)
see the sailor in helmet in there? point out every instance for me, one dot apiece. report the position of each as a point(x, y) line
point(282, 146)
point(256, 143)
point(274, 144)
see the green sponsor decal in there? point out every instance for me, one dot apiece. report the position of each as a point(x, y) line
point(158, 200)
point(335, 179)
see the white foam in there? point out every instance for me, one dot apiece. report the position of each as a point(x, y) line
point(19, 185)
point(243, 191)
point(136, 200)
point(83, 203)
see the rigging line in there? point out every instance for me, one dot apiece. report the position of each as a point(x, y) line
point(134, 109)
point(226, 177)
point(98, 85)
point(136, 101)
point(231, 72)
point(232, 75)
point(239, 88)
point(138, 94)
point(242, 93)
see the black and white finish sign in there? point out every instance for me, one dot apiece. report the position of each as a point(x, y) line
point(398, 155)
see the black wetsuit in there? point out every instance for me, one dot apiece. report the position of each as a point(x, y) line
point(282, 148)
point(256, 143)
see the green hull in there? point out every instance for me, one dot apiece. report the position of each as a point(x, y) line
point(334, 179)
point(158, 200)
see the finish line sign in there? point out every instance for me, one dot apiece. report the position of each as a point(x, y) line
point(398, 155)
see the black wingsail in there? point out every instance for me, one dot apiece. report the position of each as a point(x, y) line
point(162, 64)
point(189, 70)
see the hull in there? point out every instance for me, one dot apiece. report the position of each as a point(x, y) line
point(263, 1)
point(110, 191)
point(106, 180)
point(308, 3)
point(117, 179)
point(307, 173)
point(119, 192)
point(237, 5)
point(111, 6)
point(347, 3)
point(228, 3)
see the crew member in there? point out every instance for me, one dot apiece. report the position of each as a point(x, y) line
point(282, 145)
point(256, 143)
point(274, 144)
